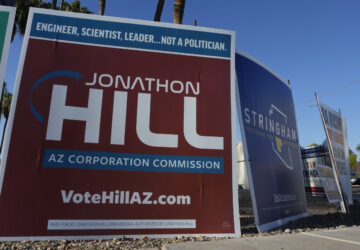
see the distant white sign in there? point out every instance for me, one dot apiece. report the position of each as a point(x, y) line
point(310, 157)
point(335, 129)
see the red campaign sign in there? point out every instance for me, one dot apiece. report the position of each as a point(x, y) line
point(118, 139)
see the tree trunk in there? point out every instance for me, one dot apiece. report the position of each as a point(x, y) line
point(102, 7)
point(61, 4)
point(2, 138)
point(53, 5)
point(159, 10)
point(179, 6)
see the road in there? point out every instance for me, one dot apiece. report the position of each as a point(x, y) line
point(345, 238)
point(342, 238)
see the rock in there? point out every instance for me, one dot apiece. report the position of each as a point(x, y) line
point(61, 247)
point(287, 230)
point(200, 238)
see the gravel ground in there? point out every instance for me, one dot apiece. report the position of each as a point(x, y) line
point(322, 215)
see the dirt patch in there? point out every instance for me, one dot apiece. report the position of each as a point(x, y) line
point(322, 215)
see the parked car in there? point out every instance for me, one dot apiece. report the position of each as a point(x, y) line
point(354, 178)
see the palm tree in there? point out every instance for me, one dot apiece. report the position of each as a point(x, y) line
point(75, 7)
point(358, 148)
point(179, 6)
point(102, 4)
point(159, 9)
point(22, 11)
point(5, 110)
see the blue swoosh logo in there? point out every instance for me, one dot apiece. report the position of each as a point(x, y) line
point(53, 74)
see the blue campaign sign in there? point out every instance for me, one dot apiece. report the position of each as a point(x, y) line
point(268, 126)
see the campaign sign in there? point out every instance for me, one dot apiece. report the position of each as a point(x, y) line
point(272, 152)
point(328, 182)
point(312, 181)
point(310, 157)
point(121, 127)
point(7, 15)
point(335, 127)
point(313, 152)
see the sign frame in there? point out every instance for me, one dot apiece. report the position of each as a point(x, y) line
point(235, 208)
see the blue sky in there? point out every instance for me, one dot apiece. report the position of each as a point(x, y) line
point(314, 44)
